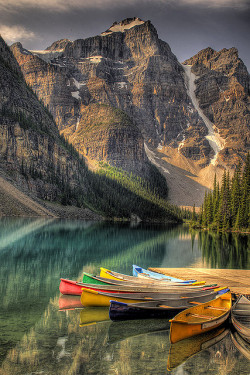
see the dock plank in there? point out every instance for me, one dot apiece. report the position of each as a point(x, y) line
point(237, 280)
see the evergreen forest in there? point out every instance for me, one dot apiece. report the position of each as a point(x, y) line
point(227, 206)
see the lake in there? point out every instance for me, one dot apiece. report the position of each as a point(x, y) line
point(40, 334)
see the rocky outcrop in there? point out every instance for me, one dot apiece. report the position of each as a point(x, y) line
point(223, 91)
point(32, 151)
point(127, 67)
point(104, 133)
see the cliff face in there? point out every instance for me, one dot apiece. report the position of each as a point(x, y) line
point(223, 91)
point(105, 133)
point(31, 149)
point(127, 67)
point(196, 115)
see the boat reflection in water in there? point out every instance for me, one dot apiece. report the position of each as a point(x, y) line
point(182, 350)
point(93, 315)
point(69, 302)
point(242, 345)
point(119, 331)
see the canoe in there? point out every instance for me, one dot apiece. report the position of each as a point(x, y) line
point(132, 288)
point(75, 288)
point(93, 315)
point(99, 280)
point(119, 276)
point(92, 297)
point(70, 287)
point(167, 308)
point(240, 316)
point(182, 350)
point(242, 345)
point(69, 302)
point(91, 279)
point(142, 272)
point(201, 318)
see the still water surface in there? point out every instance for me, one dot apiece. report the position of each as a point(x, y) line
point(39, 334)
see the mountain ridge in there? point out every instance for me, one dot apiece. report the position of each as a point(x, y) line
point(131, 69)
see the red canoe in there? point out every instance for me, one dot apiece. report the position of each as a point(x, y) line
point(75, 288)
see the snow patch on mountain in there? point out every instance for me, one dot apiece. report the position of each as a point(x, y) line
point(123, 25)
point(152, 157)
point(214, 139)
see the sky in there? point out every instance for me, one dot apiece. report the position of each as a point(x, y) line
point(186, 25)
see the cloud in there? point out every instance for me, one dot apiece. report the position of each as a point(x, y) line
point(16, 33)
point(64, 5)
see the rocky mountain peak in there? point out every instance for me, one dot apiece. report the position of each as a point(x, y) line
point(124, 25)
point(59, 45)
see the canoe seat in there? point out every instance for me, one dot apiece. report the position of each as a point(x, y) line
point(216, 308)
point(201, 316)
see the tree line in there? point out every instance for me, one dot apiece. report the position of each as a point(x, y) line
point(227, 206)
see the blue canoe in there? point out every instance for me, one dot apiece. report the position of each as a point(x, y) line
point(140, 272)
point(162, 309)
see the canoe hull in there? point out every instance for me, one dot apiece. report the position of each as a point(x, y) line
point(70, 287)
point(92, 298)
point(200, 319)
point(143, 273)
point(241, 317)
point(166, 308)
point(117, 312)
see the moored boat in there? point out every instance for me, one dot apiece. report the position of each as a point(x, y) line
point(70, 287)
point(92, 297)
point(119, 276)
point(133, 288)
point(240, 316)
point(75, 288)
point(166, 308)
point(99, 280)
point(142, 272)
point(200, 318)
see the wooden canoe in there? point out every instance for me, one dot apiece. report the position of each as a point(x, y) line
point(182, 350)
point(240, 317)
point(166, 308)
point(92, 297)
point(201, 318)
point(93, 315)
point(99, 280)
point(75, 288)
point(70, 287)
point(131, 288)
point(142, 272)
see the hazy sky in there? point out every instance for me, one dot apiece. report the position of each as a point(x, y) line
point(187, 25)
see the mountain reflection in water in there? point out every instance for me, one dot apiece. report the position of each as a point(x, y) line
point(35, 337)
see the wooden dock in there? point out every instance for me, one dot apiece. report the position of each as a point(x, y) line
point(237, 280)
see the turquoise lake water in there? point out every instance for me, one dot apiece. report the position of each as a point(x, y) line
point(39, 334)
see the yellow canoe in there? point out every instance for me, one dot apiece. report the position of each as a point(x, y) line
point(93, 315)
point(201, 318)
point(91, 297)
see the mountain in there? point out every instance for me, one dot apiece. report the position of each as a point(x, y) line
point(127, 67)
point(39, 166)
point(113, 92)
point(223, 91)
